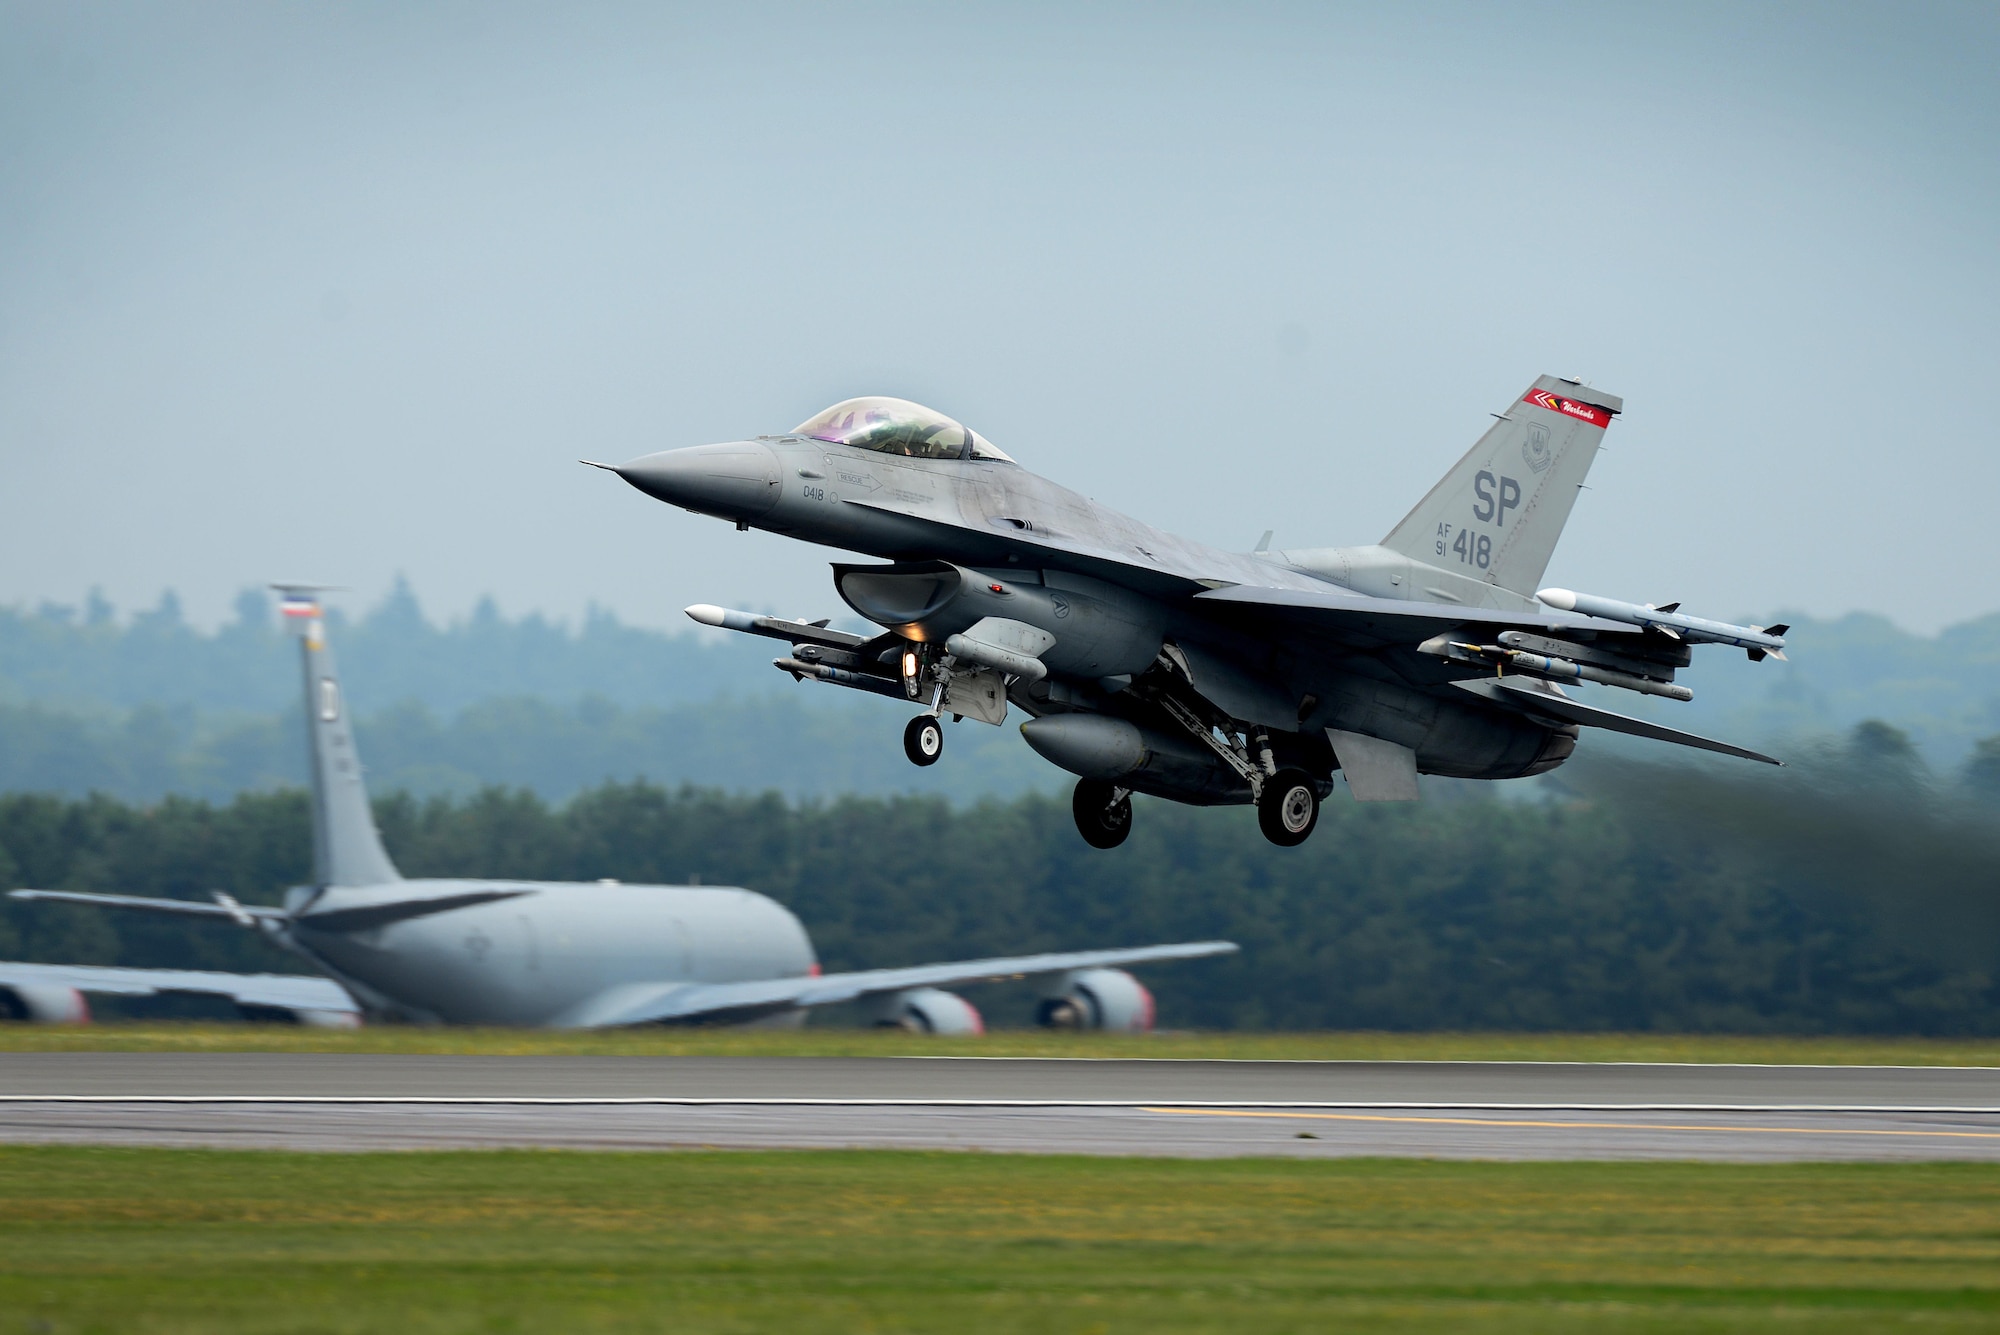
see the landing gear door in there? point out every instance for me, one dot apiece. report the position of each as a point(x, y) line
point(981, 695)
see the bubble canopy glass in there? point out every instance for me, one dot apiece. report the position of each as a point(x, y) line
point(897, 426)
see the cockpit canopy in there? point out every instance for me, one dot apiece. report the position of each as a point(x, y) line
point(897, 426)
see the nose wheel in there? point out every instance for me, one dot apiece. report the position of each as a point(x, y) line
point(1289, 807)
point(1103, 813)
point(923, 740)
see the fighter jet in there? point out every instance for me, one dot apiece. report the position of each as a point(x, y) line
point(535, 953)
point(1149, 663)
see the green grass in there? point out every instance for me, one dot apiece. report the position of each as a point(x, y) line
point(832, 1042)
point(201, 1241)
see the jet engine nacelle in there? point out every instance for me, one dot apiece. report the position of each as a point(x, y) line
point(926, 1010)
point(41, 1003)
point(1097, 999)
point(1100, 630)
point(303, 1016)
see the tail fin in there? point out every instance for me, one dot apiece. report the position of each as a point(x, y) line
point(1497, 514)
point(347, 850)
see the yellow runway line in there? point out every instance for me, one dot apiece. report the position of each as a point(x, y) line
point(1567, 1126)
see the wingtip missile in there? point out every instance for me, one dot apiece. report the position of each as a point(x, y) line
point(708, 614)
point(1668, 620)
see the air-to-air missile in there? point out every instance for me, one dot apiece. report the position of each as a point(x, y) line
point(831, 656)
point(1760, 641)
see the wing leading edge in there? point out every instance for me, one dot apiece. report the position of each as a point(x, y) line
point(1366, 619)
point(654, 1003)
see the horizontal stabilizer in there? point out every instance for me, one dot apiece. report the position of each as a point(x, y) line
point(153, 904)
point(1518, 695)
point(655, 1003)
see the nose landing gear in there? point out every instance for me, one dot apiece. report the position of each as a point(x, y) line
point(923, 740)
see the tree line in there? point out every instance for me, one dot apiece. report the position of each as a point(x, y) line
point(1838, 896)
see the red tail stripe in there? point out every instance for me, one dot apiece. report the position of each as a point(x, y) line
point(1556, 403)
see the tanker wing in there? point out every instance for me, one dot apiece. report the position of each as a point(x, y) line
point(653, 1004)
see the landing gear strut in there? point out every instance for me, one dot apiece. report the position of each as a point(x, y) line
point(1288, 808)
point(1103, 813)
point(923, 740)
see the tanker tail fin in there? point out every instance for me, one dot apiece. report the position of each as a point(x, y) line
point(347, 849)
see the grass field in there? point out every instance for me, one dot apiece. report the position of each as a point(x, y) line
point(170, 1240)
point(831, 1042)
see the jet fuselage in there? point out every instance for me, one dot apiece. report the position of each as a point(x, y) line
point(1049, 556)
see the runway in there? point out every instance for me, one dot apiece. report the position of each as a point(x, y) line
point(1498, 1110)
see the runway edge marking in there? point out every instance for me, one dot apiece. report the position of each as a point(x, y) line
point(1572, 1126)
point(1405, 1061)
point(1144, 1105)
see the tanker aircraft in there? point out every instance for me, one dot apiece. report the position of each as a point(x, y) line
point(558, 955)
point(1150, 663)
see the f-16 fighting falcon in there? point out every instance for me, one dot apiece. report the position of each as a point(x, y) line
point(545, 954)
point(1149, 663)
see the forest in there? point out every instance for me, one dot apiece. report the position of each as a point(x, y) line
point(142, 704)
point(1843, 895)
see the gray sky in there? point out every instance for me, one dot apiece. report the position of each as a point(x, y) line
point(336, 292)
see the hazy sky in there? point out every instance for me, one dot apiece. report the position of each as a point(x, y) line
point(334, 292)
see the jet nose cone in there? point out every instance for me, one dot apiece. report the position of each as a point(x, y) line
point(736, 480)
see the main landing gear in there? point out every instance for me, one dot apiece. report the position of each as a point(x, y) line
point(923, 740)
point(1287, 810)
point(1103, 812)
point(1288, 807)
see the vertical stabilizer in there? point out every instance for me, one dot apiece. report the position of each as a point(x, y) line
point(347, 850)
point(1497, 514)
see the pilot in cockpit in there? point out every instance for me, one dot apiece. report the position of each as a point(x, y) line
point(897, 426)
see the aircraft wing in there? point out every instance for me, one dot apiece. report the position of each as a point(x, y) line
point(1361, 622)
point(653, 1003)
point(291, 992)
point(1364, 622)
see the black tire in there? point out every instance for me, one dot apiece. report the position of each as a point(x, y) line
point(923, 740)
point(1289, 808)
point(1102, 822)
